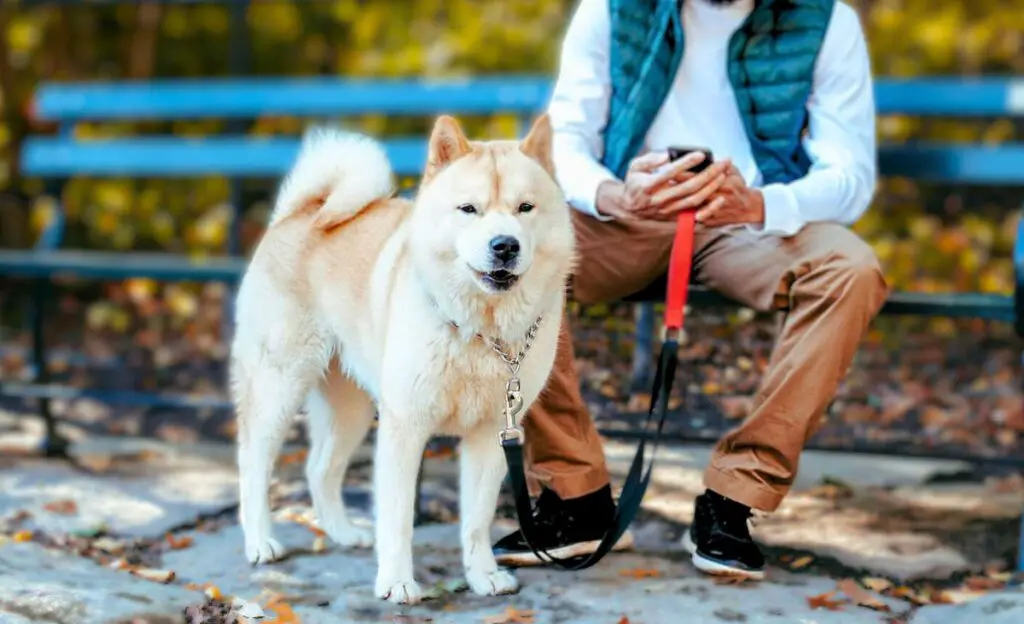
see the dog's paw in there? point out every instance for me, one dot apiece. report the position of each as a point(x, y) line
point(492, 583)
point(403, 592)
point(348, 535)
point(263, 550)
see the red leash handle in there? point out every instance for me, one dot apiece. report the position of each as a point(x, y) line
point(679, 266)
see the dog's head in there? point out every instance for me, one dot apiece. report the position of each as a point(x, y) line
point(490, 218)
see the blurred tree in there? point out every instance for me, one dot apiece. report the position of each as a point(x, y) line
point(929, 237)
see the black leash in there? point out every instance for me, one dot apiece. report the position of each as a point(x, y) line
point(637, 479)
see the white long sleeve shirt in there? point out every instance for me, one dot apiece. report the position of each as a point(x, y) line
point(701, 110)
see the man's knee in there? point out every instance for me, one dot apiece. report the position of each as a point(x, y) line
point(855, 271)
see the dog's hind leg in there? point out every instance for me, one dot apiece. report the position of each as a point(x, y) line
point(340, 414)
point(266, 401)
point(481, 471)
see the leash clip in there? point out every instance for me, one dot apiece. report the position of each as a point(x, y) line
point(675, 334)
point(512, 434)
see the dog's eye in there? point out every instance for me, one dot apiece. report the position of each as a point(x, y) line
point(467, 208)
point(525, 207)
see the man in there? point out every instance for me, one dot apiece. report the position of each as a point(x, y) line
point(780, 91)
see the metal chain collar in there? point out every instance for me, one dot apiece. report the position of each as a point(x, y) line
point(513, 396)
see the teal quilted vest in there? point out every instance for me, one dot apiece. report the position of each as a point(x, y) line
point(770, 65)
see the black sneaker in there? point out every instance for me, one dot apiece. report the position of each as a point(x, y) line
point(563, 528)
point(719, 538)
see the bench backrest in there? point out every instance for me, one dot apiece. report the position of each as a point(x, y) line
point(247, 156)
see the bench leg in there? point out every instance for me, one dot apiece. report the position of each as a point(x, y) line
point(643, 348)
point(53, 445)
point(1020, 546)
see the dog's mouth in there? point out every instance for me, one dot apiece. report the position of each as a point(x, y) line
point(498, 280)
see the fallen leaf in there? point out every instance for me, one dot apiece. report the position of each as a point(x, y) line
point(178, 543)
point(730, 579)
point(214, 592)
point(802, 562)
point(959, 596)
point(439, 453)
point(108, 545)
point(293, 458)
point(511, 616)
point(151, 574)
point(876, 584)
point(23, 535)
point(319, 544)
point(911, 595)
point(976, 583)
point(861, 596)
point(640, 573)
point(305, 522)
point(283, 612)
point(825, 601)
point(624, 620)
point(62, 507)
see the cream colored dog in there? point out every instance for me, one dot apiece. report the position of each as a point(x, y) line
point(357, 300)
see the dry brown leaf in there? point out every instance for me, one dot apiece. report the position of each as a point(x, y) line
point(979, 583)
point(439, 453)
point(640, 573)
point(65, 507)
point(319, 544)
point(283, 612)
point(730, 579)
point(826, 601)
point(151, 574)
point(802, 562)
point(297, 457)
point(511, 616)
point(306, 522)
point(958, 596)
point(875, 583)
point(907, 593)
point(178, 543)
point(861, 596)
point(108, 545)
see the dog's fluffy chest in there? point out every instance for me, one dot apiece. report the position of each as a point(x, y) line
point(471, 379)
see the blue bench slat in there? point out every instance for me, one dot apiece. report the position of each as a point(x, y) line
point(248, 98)
point(114, 265)
point(968, 97)
point(176, 157)
point(243, 156)
point(979, 164)
point(989, 306)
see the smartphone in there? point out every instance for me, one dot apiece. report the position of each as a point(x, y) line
point(675, 153)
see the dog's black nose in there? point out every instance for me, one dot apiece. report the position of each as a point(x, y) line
point(505, 248)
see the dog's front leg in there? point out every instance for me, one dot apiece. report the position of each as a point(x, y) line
point(400, 447)
point(481, 471)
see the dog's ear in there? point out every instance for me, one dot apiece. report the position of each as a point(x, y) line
point(447, 143)
point(537, 144)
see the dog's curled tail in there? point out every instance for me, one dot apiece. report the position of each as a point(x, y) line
point(336, 175)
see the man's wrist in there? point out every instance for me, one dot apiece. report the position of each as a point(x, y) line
point(608, 200)
point(757, 202)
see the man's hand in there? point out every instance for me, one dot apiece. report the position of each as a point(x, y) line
point(654, 191)
point(732, 204)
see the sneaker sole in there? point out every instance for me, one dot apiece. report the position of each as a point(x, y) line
point(526, 559)
point(716, 568)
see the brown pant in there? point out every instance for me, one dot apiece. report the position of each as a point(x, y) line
point(826, 279)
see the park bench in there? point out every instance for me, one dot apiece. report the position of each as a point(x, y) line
point(63, 155)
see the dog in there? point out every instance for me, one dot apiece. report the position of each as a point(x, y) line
point(358, 302)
